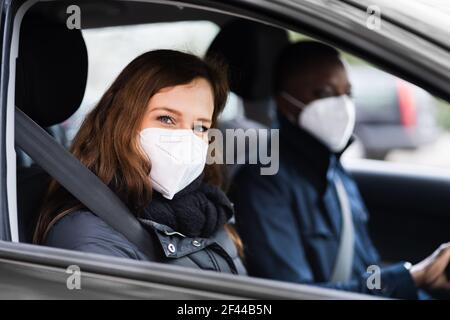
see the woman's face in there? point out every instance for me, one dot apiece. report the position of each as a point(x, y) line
point(188, 106)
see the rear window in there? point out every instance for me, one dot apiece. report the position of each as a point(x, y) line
point(375, 95)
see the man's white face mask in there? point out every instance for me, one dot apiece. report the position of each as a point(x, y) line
point(331, 120)
point(177, 156)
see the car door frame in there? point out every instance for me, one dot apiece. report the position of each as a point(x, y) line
point(36, 257)
point(47, 273)
point(5, 21)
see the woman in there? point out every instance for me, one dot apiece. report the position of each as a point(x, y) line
point(147, 139)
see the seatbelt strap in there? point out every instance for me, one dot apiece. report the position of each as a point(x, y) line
point(344, 260)
point(81, 182)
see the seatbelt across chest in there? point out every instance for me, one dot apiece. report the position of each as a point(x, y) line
point(344, 260)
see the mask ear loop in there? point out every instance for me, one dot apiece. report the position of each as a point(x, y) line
point(293, 100)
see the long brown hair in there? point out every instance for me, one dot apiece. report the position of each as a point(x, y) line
point(107, 142)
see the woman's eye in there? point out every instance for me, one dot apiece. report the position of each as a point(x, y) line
point(200, 129)
point(166, 119)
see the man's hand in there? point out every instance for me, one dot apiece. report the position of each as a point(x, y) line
point(430, 272)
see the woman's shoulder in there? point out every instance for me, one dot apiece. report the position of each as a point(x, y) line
point(224, 239)
point(83, 231)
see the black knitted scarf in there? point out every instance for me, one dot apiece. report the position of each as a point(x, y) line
point(198, 210)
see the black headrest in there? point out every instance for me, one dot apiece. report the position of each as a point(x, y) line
point(51, 70)
point(250, 49)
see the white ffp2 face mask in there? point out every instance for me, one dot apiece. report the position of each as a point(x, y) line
point(177, 158)
point(331, 120)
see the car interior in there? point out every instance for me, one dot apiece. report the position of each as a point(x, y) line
point(42, 95)
point(52, 71)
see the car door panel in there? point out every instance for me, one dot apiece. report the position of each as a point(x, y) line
point(37, 272)
point(409, 208)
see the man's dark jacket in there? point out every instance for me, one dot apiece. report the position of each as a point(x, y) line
point(290, 222)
